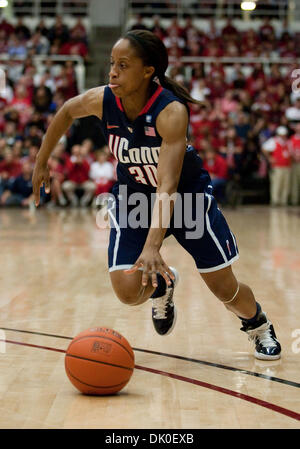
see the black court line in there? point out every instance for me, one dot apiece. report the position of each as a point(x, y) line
point(236, 394)
point(178, 357)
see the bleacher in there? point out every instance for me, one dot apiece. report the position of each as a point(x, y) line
point(239, 66)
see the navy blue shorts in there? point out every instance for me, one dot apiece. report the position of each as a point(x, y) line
point(213, 245)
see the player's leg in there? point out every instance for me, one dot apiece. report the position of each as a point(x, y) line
point(239, 299)
point(214, 253)
point(69, 188)
point(129, 289)
point(89, 188)
point(125, 246)
point(275, 186)
point(236, 296)
point(286, 185)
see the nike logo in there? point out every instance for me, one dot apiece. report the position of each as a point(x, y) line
point(112, 126)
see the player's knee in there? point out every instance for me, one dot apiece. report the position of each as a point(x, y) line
point(128, 298)
point(223, 290)
point(127, 295)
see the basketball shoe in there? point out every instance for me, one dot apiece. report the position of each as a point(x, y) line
point(262, 334)
point(163, 309)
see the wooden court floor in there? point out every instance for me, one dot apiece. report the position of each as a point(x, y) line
point(54, 283)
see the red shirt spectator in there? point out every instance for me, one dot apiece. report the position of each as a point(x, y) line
point(215, 164)
point(279, 149)
point(74, 47)
point(6, 27)
point(77, 169)
point(229, 30)
point(10, 168)
point(294, 143)
point(79, 30)
point(267, 29)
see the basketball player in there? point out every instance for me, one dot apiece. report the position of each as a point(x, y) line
point(145, 124)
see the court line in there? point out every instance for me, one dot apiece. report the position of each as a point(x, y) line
point(245, 397)
point(179, 357)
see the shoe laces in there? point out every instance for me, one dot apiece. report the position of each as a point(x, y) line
point(264, 334)
point(159, 305)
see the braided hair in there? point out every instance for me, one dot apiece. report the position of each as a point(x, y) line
point(154, 53)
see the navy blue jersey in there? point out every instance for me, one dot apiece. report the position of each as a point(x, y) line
point(136, 144)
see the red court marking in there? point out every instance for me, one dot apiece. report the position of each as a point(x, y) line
point(245, 397)
point(269, 405)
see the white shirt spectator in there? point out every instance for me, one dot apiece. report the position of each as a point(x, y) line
point(293, 113)
point(270, 144)
point(104, 170)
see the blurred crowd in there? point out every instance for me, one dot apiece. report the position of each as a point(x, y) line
point(20, 41)
point(246, 129)
point(32, 95)
point(77, 177)
point(186, 39)
point(242, 105)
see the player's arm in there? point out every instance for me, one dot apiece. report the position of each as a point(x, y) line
point(172, 125)
point(84, 105)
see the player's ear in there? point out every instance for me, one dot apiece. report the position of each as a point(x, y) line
point(148, 71)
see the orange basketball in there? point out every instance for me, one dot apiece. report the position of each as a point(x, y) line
point(99, 361)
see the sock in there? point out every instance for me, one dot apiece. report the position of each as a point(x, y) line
point(161, 287)
point(253, 319)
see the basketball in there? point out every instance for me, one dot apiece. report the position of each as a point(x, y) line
point(99, 361)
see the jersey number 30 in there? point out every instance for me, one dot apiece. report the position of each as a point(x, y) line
point(147, 174)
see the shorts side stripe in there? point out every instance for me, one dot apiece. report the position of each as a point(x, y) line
point(219, 267)
point(117, 241)
point(234, 241)
point(213, 235)
point(122, 267)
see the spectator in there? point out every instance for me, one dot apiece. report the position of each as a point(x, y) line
point(80, 30)
point(16, 48)
point(277, 152)
point(41, 28)
point(10, 133)
point(8, 28)
point(229, 31)
point(266, 30)
point(102, 172)
point(295, 174)
point(3, 42)
point(59, 32)
point(66, 83)
point(20, 192)
point(42, 99)
point(228, 102)
point(139, 23)
point(87, 152)
point(157, 28)
point(38, 43)
point(56, 170)
point(74, 46)
point(232, 150)
point(77, 178)
point(293, 113)
point(32, 153)
point(10, 168)
point(21, 102)
point(22, 31)
point(199, 90)
point(45, 79)
point(242, 126)
point(216, 166)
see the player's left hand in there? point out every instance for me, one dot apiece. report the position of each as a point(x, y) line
point(151, 263)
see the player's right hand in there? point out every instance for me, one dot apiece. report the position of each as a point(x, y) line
point(40, 176)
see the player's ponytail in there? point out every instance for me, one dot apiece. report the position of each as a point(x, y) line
point(154, 53)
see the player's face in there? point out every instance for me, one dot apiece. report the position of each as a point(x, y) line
point(127, 73)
